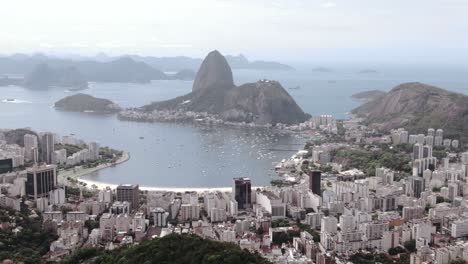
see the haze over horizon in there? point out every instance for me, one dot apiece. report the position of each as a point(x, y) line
point(293, 30)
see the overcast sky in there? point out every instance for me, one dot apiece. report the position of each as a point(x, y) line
point(285, 30)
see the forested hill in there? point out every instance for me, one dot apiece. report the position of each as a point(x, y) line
point(171, 249)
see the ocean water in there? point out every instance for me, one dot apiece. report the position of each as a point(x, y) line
point(183, 155)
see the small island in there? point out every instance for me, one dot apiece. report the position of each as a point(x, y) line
point(321, 69)
point(368, 71)
point(368, 95)
point(87, 103)
point(185, 75)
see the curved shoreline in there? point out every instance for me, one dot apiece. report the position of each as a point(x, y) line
point(102, 185)
point(82, 173)
point(78, 173)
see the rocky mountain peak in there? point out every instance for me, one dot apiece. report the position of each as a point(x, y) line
point(214, 72)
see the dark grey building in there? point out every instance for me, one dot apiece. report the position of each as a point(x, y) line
point(40, 181)
point(6, 165)
point(129, 193)
point(315, 181)
point(242, 191)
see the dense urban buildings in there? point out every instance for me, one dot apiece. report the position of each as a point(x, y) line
point(318, 209)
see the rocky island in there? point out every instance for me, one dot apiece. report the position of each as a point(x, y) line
point(86, 103)
point(184, 75)
point(368, 71)
point(417, 107)
point(368, 95)
point(215, 96)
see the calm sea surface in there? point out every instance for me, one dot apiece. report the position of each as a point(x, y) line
point(176, 155)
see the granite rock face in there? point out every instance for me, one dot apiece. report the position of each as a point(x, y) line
point(263, 102)
point(214, 73)
point(214, 92)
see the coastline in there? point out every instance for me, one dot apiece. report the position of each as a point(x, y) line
point(102, 185)
point(78, 173)
point(81, 173)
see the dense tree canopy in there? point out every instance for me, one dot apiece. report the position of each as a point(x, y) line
point(24, 239)
point(173, 249)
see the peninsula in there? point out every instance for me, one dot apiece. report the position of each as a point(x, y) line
point(215, 95)
point(417, 107)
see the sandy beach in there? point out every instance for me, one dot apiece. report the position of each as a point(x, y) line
point(102, 185)
point(79, 172)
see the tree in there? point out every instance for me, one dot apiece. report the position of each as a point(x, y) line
point(260, 231)
point(280, 223)
point(172, 248)
point(458, 261)
point(440, 199)
point(410, 245)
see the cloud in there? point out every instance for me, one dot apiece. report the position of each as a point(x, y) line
point(176, 45)
point(114, 45)
point(47, 45)
point(328, 4)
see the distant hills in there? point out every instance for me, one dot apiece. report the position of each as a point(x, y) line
point(102, 68)
point(417, 107)
point(43, 76)
point(182, 62)
point(42, 72)
point(214, 92)
point(45, 72)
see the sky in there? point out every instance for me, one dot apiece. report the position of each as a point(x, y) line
point(284, 30)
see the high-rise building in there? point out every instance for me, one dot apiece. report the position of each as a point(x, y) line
point(438, 141)
point(160, 217)
point(417, 151)
point(417, 186)
point(242, 191)
point(93, 148)
point(464, 159)
point(429, 140)
point(440, 133)
point(41, 180)
point(6, 165)
point(427, 151)
point(315, 181)
point(30, 146)
point(129, 193)
point(430, 132)
point(47, 147)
